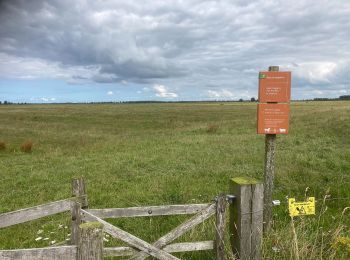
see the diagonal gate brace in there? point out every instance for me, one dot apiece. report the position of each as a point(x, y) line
point(130, 239)
point(179, 231)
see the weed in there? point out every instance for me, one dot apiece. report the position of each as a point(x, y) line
point(2, 145)
point(27, 146)
point(212, 128)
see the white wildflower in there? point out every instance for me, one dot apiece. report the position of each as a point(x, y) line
point(276, 249)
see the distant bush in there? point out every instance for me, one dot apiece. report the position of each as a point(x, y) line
point(2, 145)
point(211, 128)
point(27, 146)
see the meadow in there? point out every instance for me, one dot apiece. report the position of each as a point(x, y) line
point(172, 153)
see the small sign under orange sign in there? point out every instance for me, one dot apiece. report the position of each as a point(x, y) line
point(273, 118)
point(274, 86)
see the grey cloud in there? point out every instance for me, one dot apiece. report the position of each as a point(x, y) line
point(199, 45)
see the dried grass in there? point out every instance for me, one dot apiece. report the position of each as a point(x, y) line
point(2, 145)
point(212, 128)
point(27, 146)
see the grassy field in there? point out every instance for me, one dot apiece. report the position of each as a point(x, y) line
point(153, 154)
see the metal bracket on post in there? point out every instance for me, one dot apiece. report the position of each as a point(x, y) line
point(230, 198)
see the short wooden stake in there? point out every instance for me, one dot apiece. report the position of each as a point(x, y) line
point(90, 245)
point(78, 190)
point(220, 227)
point(76, 221)
point(269, 173)
point(246, 218)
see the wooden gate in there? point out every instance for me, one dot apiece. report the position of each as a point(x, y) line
point(87, 241)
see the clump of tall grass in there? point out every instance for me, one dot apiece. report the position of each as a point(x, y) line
point(2, 145)
point(308, 237)
point(212, 128)
point(27, 146)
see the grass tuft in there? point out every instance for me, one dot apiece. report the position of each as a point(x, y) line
point(27, 146)
point(212, 128)
point(2, 145)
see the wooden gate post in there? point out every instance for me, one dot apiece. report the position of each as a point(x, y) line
point(90, 245)
point(269, 172)
point(221, 204)
point(76, 221)
point(246, 218)
point(78, 190)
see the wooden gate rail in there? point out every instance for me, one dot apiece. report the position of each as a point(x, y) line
point(36, 212)
point(185, 209)
point(48, 253)
point(70, 252)
point(171, 248)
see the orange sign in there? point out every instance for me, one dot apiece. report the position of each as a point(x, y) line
point(273, 118)
point(274, 86)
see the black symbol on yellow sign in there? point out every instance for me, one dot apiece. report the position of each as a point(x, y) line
point(301, 210)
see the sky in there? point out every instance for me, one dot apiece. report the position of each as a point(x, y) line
point(86, 51)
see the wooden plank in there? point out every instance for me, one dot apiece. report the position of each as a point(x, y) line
point(49, 253)
point(118, 251)
point(24, 215)
point(172, 248)
point(220, 224)
point(189, 246)
point(180, 230)
point(148, 211)
point(90, 244)
point(257, 220)
point(130, 239)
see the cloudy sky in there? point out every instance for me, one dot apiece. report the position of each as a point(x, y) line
point(77, 51)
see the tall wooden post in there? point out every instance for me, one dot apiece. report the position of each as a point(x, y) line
point(221, 205)
point(246, 218)
point(269, 172)
point(90, 245)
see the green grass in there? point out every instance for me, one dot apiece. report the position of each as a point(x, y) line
point(154, 154)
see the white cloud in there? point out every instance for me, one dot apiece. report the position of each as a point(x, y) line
point(46, 99)
point(110, 93)
point(314, 72)
point(220, 94)
point(162, 91)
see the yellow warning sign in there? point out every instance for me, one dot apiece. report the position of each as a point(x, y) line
point(301, 208)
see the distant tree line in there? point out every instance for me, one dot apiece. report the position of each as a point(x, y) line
point(253, 99)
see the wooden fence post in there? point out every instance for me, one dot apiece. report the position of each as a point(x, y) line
point(246, 218)
point(78, 190)
point(220, 227)
point(76, 221)
point(90, 245)
point(269, 172)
